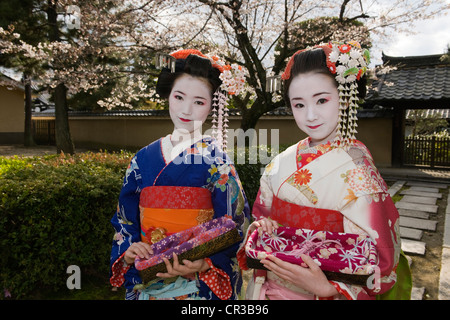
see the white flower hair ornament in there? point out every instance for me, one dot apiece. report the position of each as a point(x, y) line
point(233, 83)
point(348, 62)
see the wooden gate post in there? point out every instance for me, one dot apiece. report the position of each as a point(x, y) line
point(433, 150)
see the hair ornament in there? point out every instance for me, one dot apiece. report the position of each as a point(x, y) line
point(163, 60)
point(273, 83)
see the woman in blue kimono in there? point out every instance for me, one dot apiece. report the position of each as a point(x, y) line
point(177, 182)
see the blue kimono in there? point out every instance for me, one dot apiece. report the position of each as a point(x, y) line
point(197, 163)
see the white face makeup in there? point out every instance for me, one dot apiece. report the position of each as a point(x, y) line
point(189, 103)
point(314, 100)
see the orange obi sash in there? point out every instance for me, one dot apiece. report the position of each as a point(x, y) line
point(293, 215)
point(165, 210)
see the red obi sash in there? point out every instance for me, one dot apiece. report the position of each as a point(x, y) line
point(165, 210)
point(293, 215)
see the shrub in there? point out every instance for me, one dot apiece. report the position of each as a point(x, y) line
point(55, 212)
point(251, 170)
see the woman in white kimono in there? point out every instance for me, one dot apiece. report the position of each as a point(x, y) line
point(326, 182)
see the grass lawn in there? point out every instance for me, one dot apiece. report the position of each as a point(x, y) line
point(92, 288)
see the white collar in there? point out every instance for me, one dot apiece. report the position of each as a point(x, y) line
point(170, 152)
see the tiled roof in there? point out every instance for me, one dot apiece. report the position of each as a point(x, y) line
point(282, 111)
point(10, 83)
point(420, 78)
point(430, 113)
point(121, 113)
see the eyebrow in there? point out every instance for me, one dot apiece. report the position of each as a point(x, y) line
point(196, 97)
point(315, 95)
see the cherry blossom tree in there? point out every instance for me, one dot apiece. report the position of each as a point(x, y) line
point(92, 44)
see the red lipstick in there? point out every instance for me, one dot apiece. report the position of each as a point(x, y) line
point(314, 127)
point(185, 120)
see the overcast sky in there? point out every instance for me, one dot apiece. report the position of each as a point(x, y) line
point(432, 38)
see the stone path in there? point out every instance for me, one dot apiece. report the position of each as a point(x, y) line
point(444, 280)
point(418, 202)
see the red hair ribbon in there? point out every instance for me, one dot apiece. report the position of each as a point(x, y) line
point(325, 47)
point(184, 53)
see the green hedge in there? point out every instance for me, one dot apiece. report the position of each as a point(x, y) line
point(55, 212)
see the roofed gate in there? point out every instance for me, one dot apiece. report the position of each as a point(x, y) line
point(420, 82)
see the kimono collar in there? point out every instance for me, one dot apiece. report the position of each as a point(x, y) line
point(170, 152)
point(305, 146)
point(306, 154)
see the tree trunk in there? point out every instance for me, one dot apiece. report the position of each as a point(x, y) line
point(28, 132)
point(62, 131)
point(249, 120)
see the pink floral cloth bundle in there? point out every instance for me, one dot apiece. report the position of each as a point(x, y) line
point(345, 257)
point(194, 243)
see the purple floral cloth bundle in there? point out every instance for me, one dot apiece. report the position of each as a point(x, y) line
point(194, 243)
point(345, 257)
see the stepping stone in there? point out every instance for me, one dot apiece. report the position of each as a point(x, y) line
point(447, 210)
point(418, 223)
point(410, 260)
point(412, 246)
point(428, 184)
point(413, 192)
point(416, 199)
point(425, 189)
point(396, 187)
point(446, 240)
point(416, 206)
point(417, 293)
point(414, 213)
point(410, 233)
point(444, 277)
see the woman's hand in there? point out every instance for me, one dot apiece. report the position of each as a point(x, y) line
point(185, 269)
point(267, 225)
point(141, 249)
point(311, 278)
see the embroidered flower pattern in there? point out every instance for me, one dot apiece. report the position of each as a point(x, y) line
point(338, 252)
point(221, 175)
point(205, 215)
point(302, 177)
point(300, 180)
point(361, 183)
point(223, 179)
point(183, 241)
point(306, 154)
point(333, 251)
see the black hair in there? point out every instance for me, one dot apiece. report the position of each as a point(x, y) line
point(314, 60)
point(193, 65)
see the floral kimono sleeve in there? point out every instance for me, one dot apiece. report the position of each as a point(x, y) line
point(228, 200)
point(369, 210)
point(127, 228)
point(263, 202)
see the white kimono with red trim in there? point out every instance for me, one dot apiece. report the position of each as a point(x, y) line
point(348, 182)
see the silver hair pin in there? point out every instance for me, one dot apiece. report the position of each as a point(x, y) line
point(273, 83)
point(164, 60)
